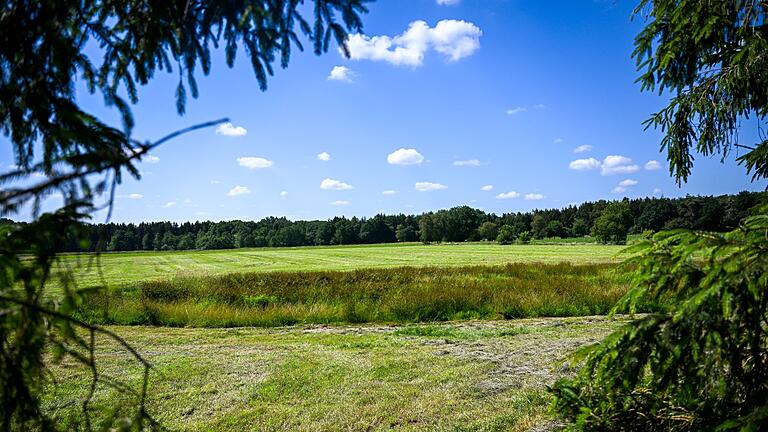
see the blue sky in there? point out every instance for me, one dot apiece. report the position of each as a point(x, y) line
point(534, 99)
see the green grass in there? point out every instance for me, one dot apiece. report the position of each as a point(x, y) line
point(404, 294)
point(125, 268)
point(476, 376)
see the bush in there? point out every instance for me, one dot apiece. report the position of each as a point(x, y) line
point(506, 235)
point(524, 237)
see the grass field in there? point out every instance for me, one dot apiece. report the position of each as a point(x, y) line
point(402, 294)
point(465, 376)
point(336, 374)
point(124, 268)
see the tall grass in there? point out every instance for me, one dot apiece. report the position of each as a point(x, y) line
point(405, 294)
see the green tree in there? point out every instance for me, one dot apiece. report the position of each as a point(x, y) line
point(42, 55)
point(506, 235)
point(612, 226)
point(406, 233)
point(580, 227)
point(488, 230)
point(428, 229)
point(147, 242)
point(524, 237)
point(701, 364)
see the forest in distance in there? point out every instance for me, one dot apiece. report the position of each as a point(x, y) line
point(608, 221)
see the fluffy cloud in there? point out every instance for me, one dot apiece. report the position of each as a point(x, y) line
point(534, 196)
point(228, 129)
point(557, 140)
point(135, 196)
point(429, 186)
point(652, 165)
point(341, 73)
point(657, 191)
point(324, 156)
point(584, 164)
point(617, 164)
point(170, 204)
point(447, 2)
point(507, 195)
point(389, 192)
point(238, 190)
point(516, 110)
point(405, 156)
point(334, 185)
point(469, 162)
point(283, 194)
point(150, 159)
point(583, 148)
point(254, 162)
point(453, 39)
point(486, 188)
point(627, 183)
point(340, 203)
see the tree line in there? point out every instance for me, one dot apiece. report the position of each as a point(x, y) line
point(608, 221)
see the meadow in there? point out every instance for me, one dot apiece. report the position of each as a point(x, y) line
point(407, 337)
point(468, 376)
point(400, 294)
point(120, 269)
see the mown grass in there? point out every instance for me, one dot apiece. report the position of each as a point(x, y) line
point(116, 270)
point(405, 294)
point(491, 377)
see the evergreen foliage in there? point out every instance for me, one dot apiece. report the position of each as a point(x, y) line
point(61, 148)
point(703, 363)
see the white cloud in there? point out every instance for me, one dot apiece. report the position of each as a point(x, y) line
point(657, 191)
point(283, 194)
point(516, 110)
point(507, 195)
point(251, 162)
point(405, 156)
point(238, 190)
point(627, 183)
point(341, 73)
point(215, 182)
point(539, 106)
point(619, 189)
point(468, 162)
point(617, 164)
point(557, 140)
point(151, 159)
point(486, 188)
point(324, 156)
point(534, 196)
point(340, 203)
point(652, 165)
point(583, 148)
point(452, 38)
point(170, 204)
point(335, 185)
point(228, 129)
point(448, 2)
point(429, 186)
point(389, 192)
point(135, 196)
point(584, 164)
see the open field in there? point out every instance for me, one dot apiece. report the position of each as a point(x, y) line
point(466, 376)
point(119, 269)
point(403, 294)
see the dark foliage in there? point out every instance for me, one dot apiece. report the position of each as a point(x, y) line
point(459, 224)
point(60, 148)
